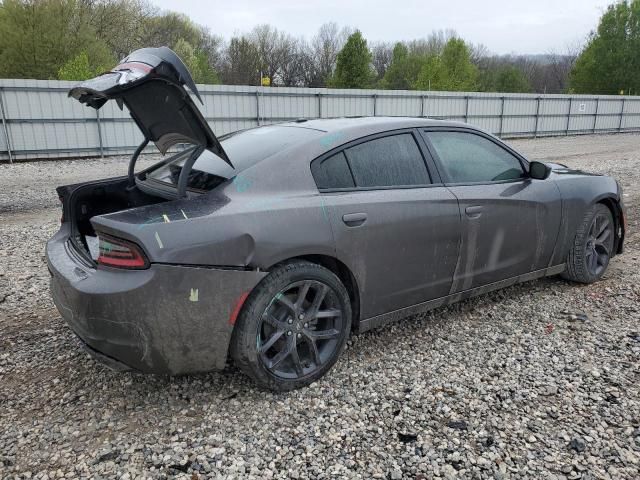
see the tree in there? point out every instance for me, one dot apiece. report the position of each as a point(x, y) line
point(324, 49)
point(510, 79)
point(381, 55)
point(353, 64)
point(452, 71)
point(38, 37)
point(197, 62)
point(404, 68)
point(169, 28)
point(610, 61)
point(242, 63)
point(120, 24)
point(295, 62)
point(80, 68)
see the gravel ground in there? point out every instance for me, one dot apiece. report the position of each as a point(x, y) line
point(536, 381)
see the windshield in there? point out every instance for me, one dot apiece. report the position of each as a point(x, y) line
point(244, 148)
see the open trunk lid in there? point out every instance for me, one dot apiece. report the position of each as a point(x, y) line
point(150, 82)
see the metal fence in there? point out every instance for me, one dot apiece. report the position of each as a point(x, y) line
point(39, 121)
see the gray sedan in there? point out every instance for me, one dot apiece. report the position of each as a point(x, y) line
point(271, 245)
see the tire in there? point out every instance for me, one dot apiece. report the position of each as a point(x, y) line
point(292, 327)
point(592, 247)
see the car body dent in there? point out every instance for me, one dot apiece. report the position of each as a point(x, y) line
point(222, 243)
point(166, 319)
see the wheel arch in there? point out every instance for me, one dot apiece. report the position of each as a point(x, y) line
point(618, 220)
point(343, 272)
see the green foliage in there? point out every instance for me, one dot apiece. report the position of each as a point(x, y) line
point(610, 62)
point(353, 64)
point(512, 79)
point(169, 29)
point(404, 69)
point(80, 68)
point(38, 37)
point(451, 71)
point(197, 62)
point(243, 63)
point(504, 78)
point(75, 39)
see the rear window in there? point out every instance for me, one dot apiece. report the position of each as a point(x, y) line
point(244, 148)
point(333, 172)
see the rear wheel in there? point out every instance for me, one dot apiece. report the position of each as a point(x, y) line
point(293, 326)
point(592, 247)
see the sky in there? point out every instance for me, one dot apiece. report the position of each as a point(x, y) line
point(503, 26)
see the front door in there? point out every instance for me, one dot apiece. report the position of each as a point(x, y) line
point(510, 222)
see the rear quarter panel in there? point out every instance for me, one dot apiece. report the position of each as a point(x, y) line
point(268, 213)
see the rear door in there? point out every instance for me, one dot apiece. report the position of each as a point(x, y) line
point(510, 222)
point(395, 225)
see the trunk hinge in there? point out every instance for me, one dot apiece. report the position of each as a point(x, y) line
point(132, 163)
point(186, 169)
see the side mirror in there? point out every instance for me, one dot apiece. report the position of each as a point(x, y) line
point(539, 170)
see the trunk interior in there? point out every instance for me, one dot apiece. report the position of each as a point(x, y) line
point(82, 202)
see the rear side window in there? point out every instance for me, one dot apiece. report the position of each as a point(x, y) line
point(391, 161)
point(333, 172)
point(468, 158)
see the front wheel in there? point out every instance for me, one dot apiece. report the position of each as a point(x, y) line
point(592, 247)
point(293, 326)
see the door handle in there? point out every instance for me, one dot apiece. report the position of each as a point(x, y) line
point(474, 211)
point(354, 219)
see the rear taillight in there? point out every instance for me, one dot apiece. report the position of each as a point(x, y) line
point(118, 253)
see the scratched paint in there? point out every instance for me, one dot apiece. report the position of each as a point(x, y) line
point(325, 211)
point(331, 139)
point(193, 296)
point(160, 245)
point(242, 183)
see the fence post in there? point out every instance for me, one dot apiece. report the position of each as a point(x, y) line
point(569, 115)
point(466, 109)
point(5, 128)
point(422, 105)
point(374, 104)
point(258, 106)
point(99, 133)
point(535, 134)
point(621, 115)
point(595, 115)
point(501, 115)
point(319, 95)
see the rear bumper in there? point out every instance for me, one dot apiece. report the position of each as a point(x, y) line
point(167, 319)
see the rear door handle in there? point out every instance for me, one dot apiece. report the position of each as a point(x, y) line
point(354, 219)
point(474, 211)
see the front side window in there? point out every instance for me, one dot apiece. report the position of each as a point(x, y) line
point(392, 161)
point(468, 158)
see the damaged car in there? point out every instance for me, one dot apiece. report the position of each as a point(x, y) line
point(270, 246)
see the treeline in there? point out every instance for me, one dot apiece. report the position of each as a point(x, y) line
point(76, 39)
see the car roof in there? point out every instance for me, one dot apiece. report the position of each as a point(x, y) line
point(371, 124)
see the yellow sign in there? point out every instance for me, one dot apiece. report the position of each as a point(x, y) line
point(266, 81)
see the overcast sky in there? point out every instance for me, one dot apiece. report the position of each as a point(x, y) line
point(504, 26)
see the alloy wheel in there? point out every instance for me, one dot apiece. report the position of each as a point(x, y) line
point(300, 329)
point(599, 244)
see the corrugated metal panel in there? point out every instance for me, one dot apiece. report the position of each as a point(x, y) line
point(43, 123)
